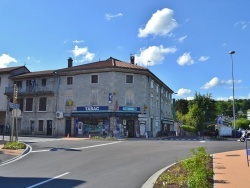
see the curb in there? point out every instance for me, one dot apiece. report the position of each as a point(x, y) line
point(27, 150)
point(150, 182)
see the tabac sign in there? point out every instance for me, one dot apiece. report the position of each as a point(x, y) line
point(92, 108)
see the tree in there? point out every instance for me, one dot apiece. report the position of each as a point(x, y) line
point(196, 117)
point(206, 104)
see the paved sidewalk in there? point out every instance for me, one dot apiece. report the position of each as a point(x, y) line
point(231, 169)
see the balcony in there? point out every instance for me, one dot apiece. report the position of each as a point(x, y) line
point(37, 90)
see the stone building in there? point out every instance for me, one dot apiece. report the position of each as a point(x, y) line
point(5, 79)
point(108, 97)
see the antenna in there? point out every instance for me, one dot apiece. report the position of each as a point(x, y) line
point(148, 62)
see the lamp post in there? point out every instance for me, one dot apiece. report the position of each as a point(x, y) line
point(231, 53)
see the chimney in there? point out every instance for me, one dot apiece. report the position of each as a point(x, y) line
point(132, 59)
point(70, 62)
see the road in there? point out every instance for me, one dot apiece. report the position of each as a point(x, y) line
point(94, 164)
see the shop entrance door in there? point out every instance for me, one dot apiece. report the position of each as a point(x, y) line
point(131, 128)
point(49, 127)
point(68, 127)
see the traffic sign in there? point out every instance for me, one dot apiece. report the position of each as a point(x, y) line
point(142, 115)
point(142, 119)
point(16, 112)
point(13, 105)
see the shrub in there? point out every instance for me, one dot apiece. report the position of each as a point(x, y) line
point(14, 145)
point(198, 171)
point(189, 128)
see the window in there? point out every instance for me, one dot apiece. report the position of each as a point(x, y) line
point(94, 98)
point(152, 84)
point(0, 81)
point(20, 101)
point(18, 84)
point(40, 125)
point(43, 82)
point(42, 103)
point(29, 104)
point(28, 83)
point(69, 80)
point(157, 88)
point(94, 78)
point(129, 98)
point(162, 90)
point(129, 79)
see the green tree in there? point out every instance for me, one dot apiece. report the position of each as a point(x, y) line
point(196, 117)
point(206, 104)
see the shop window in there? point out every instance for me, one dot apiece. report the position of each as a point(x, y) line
point(94, 78)
point(69, 80)
point(29, 104)
point(129, 79)
point(40, 125)
point(42, 103)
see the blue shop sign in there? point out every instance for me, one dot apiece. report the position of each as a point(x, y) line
point(128, 108)
point(92, 108)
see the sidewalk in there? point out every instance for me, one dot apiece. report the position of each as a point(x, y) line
point(231, 169)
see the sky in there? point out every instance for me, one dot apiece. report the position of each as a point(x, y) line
point(185, 43)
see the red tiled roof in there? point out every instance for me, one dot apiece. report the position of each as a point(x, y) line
point(111, 62)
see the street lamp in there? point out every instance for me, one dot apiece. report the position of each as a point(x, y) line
point(231, 53)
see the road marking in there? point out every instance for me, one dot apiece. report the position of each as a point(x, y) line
point(17, 157)
point(48, 180)
point(86, 147)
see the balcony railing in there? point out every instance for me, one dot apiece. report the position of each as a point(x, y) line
point(37, 90)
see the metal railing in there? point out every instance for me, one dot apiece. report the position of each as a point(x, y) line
point(30, 90)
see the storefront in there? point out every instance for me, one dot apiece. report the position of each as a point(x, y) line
point(99, 120)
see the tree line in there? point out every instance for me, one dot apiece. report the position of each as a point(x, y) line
point(203, 110)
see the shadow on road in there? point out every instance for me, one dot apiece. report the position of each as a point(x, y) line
point(18, 182)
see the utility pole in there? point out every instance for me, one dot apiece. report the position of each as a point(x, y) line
point(15, 92)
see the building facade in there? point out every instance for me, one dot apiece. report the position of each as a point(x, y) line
point(109, 97)
point(5, 80)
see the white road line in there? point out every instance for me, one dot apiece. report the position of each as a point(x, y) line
point(48, 180)
point(86, 147)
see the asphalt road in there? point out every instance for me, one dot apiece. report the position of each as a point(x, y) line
point(99, 164)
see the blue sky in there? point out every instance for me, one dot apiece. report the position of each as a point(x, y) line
point(186, 43)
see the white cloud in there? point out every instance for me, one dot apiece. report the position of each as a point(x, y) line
point(78, 41)
point(216, 81)
point(185, 59)
point(203, 58)
point(183, 92)
point(212, 83)
point(5, 60)
point(181, 39)
point(161, 23)
point(153, 55)
point(111, 16)
point(83, 52)
point(242, 24)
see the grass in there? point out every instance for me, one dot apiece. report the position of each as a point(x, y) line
point(14, 145)
point(194, 172)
